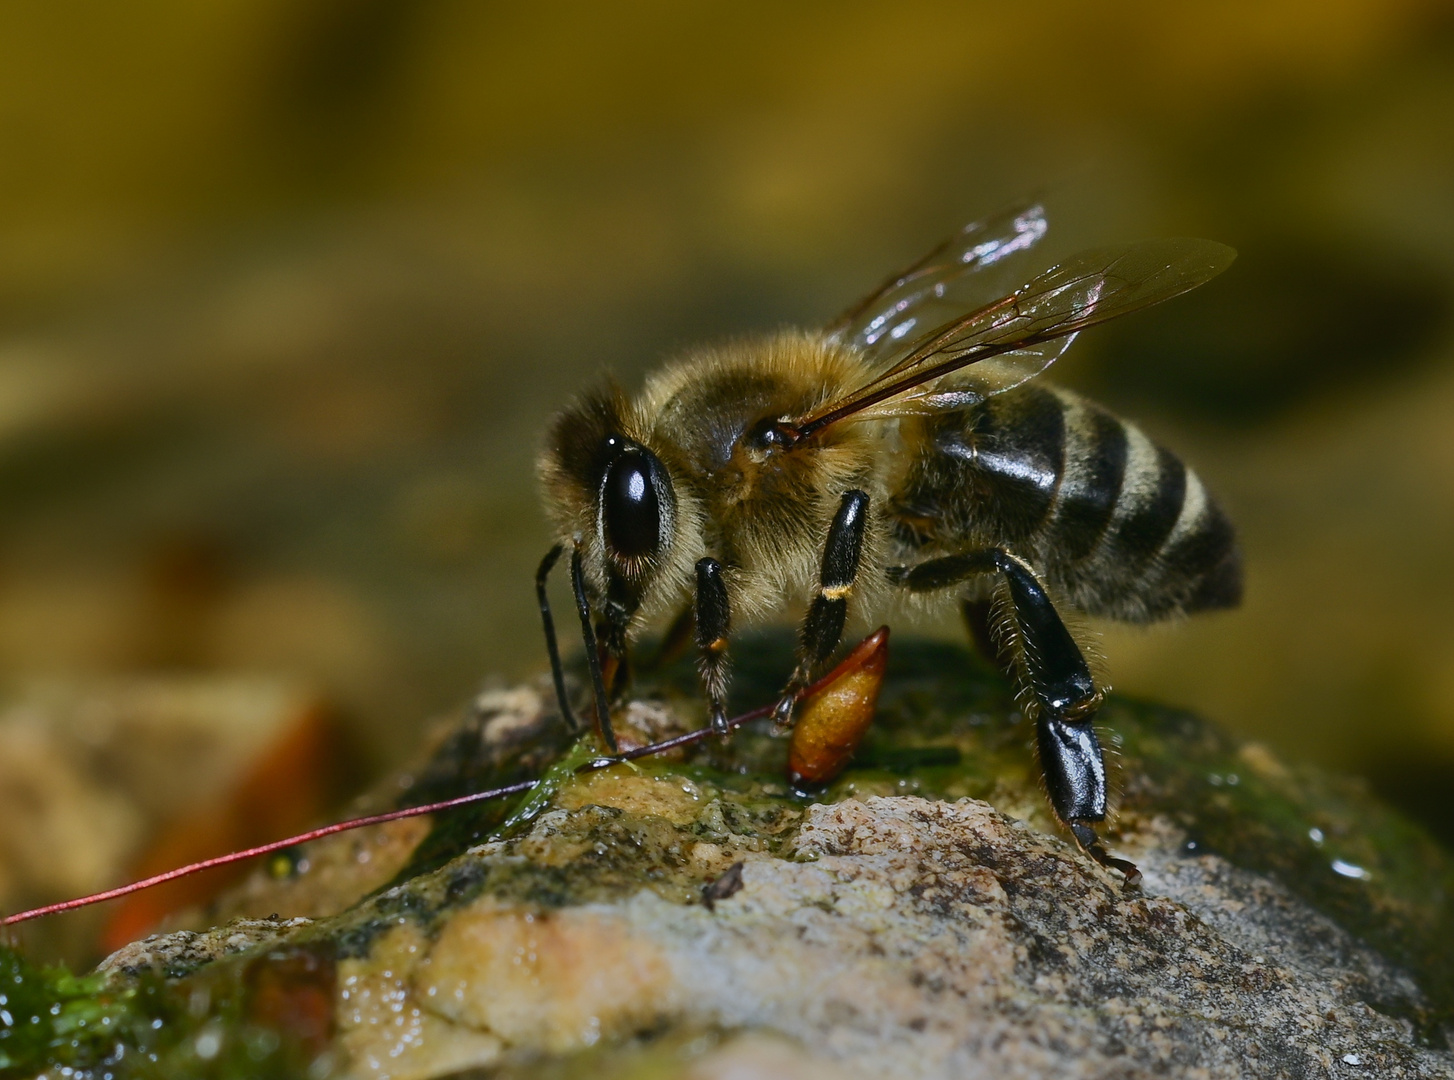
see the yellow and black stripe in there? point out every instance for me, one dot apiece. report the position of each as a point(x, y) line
point(1114, 522)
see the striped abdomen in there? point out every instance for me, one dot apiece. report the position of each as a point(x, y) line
point(1116, 523)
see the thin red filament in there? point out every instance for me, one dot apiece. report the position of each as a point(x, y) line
point(373, 819)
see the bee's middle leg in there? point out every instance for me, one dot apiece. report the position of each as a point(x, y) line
point(822, 628)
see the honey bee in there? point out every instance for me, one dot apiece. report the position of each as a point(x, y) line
point(901, 451)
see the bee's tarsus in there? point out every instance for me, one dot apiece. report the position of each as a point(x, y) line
point(1090, 843)
point(1073, 766)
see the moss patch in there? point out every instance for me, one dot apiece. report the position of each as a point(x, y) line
point(269, 1014)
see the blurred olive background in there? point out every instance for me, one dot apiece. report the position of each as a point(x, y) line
point(289, 287)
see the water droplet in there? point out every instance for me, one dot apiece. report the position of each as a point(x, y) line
point(207, 1045)
point(1350, 870)
point(1315, 835)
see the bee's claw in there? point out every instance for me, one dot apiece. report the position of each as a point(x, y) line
point(1090, 843)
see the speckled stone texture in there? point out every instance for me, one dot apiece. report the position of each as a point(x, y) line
point(879, 932)
point(902, 937)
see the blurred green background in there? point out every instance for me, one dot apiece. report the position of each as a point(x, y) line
point(289, 287)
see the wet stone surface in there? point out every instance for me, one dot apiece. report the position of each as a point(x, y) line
point(922, 917)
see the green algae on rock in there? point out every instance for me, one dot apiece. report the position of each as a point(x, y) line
point(270, 1013)
point(900, 924)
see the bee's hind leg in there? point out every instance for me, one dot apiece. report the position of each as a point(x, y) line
point(1057, 675)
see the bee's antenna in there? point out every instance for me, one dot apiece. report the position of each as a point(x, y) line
point(557, 672)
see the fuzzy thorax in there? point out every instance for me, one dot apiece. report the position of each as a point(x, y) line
point(761, 510)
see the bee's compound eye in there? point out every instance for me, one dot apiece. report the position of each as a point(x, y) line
point(632, 508)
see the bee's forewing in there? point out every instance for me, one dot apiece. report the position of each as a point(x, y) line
point(1017, 336)
point(967, 270)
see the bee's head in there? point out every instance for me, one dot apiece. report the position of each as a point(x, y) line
point(610, 493)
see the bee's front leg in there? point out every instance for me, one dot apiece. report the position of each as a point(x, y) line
point(822, 628)
point(593, 656)
point(714, 622)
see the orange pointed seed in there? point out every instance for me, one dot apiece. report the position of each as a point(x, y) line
point(832, 722)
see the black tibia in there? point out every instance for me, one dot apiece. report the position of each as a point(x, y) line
point(822, 629)
point(1057, 672)
point(713, 626)
point(1058, 677)
point(593, 656)
point(557, 673)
